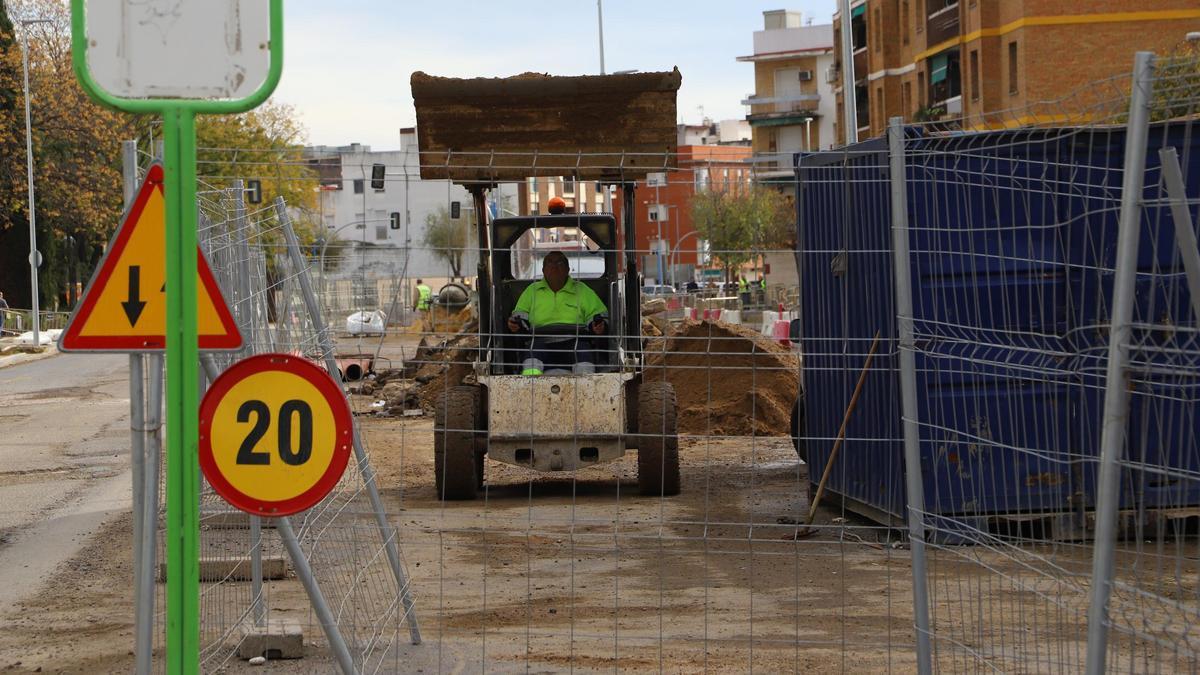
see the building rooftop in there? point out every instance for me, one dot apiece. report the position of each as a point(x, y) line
point(782, 43)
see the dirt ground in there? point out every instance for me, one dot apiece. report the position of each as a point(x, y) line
point(554, 573)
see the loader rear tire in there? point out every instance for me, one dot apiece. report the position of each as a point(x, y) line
point(658, 440)
point(457, 471)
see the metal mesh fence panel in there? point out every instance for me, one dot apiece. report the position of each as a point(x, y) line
point(638, 494)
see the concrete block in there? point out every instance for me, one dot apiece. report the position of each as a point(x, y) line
point(279, 639)
point(234, 569)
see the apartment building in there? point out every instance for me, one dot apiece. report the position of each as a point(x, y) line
point(669, 248)
point(988, 63)
point(793, 107)
point(581, 197)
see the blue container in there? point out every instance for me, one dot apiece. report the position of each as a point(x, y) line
point(1008, 234)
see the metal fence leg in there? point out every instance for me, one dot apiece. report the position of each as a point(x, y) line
point(901, 265)
point(326, 343)
point(1116, 394)
point(304, 573)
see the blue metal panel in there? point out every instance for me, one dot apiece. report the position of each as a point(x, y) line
point(1013, 240)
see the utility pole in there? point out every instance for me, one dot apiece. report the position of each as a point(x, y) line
point(600, 21)
point(35, 258)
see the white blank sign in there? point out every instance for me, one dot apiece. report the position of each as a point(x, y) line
point(192, 49)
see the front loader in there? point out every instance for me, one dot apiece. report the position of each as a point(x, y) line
point(612, 130)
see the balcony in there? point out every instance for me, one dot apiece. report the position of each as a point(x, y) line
point(782, 110)
point(942, 24)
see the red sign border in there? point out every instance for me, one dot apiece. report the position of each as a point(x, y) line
point(72, 341)
point(343, 429)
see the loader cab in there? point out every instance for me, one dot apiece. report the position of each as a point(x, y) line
point(518, 246)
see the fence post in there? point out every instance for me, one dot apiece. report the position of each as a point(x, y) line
point(901, 264)
point(1116, 394)
point(325, 341)
point(143, 528)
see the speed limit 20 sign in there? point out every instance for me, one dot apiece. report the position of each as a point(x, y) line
point(275, 434)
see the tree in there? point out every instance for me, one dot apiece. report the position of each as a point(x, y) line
point(77, 158)
point(740, 225)
point(448, 239)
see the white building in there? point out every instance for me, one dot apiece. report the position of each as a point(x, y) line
point(386, 222)
point(725, 132)
point(793, 108)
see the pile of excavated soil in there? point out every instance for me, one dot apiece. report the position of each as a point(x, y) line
point(729, 380)
point(439, 365)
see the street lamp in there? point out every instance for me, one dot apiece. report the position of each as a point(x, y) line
point(600, 22)
point(34, 256)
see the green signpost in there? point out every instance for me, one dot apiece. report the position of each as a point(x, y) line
point(102, 43)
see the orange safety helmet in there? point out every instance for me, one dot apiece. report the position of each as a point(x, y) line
point(556, 205)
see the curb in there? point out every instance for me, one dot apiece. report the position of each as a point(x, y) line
point(51, 349)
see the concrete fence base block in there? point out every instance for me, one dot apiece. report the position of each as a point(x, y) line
point(234, 569)
point(279, 639)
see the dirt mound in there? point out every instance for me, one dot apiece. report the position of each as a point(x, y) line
point(439, 365)
point(729, 379)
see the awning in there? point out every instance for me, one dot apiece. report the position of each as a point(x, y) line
point(783, 121)
point(938, 65)
point(858, 11)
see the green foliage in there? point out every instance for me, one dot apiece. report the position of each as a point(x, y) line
point(448, 239)
point(740, 225)
point(1177, 85)
point(77, 158)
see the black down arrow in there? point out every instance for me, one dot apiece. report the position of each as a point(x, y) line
point(134, 306)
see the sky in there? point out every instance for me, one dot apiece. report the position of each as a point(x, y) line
point(347, 62)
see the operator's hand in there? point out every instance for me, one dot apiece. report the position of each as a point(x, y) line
point(598, 326)
point(513, 326)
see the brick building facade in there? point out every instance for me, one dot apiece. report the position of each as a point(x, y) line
point(993, 63)
point(698, 168)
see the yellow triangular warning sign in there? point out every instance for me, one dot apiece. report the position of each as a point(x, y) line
point(125, 307)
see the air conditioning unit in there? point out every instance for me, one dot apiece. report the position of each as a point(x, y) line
point(831, 74)
point(805, 75)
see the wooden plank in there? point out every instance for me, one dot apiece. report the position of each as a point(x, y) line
point(596, 127)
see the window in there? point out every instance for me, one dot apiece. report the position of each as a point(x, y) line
point(568, 189)
point(858, 27)
point(878, 29)
point(358, 186)
point(904, 22)
point(921, 90)
point(879, 114)
point(381, 232)
point(974, 74)
point(1012, 68)
point(920, 15)
point(907, 98)
point(862, 112)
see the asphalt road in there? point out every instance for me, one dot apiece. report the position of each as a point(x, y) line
point(64, 463)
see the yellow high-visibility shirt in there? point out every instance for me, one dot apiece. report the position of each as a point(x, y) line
point(573, 304)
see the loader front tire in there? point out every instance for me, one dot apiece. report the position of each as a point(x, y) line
point(658, 440)
point(457, 471)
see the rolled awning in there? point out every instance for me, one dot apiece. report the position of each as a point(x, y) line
point(858, 11)
point(938, 66)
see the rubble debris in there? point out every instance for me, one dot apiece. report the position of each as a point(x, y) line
point(654, 306)
point(729, 379)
